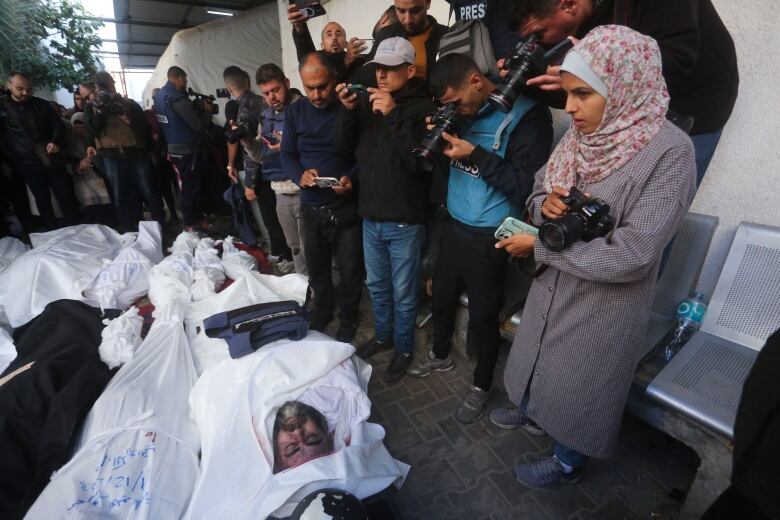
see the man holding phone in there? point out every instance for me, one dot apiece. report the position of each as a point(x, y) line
point(344, 56)
point(331, 225)
point(266, 148)
point(381, 126)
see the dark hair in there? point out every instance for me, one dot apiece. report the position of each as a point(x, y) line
point(104, 80)
point(392, 15)
point(19, 73)
point(320, 57)
point(269, 72)
point(176, 72)
point(89, 85)
point(295, 410)
point(519, 11)
point(235, 76)
point(451, 70)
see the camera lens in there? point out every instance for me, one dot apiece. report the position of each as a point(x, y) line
point(559, 234)
point(500, 101)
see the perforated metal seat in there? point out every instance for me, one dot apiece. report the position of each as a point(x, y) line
point(679, 278)
point(704, 381)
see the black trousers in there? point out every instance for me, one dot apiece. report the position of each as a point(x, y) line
point(189, 167)
point(267, 200)
point(166, 178)
point(41, 179)
point(324, 242)
point(469, 260)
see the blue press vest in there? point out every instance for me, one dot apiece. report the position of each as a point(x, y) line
point(272, 165)
point(173, 127)
point(470, 199)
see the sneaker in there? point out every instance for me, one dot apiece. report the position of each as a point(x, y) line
point(473, 406)
point(432, 364)
point(511, 418)
point(545, 473)
point(285, 266)
point(373, 346)
point(346, 332)
point(397, 367)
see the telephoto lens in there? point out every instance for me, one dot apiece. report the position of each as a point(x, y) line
point(445, 120)
point(528, 60)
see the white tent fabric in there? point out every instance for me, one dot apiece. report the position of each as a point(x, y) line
point(247, 40)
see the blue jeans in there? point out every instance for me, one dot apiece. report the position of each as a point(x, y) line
point(562, 452)
point(128, 178)
point(704, 145)
point(393, 267)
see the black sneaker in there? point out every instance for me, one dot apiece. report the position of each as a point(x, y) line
point(346, 332)
point(397, 367)
point(373, 346)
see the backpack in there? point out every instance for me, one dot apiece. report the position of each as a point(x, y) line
point(472, 38)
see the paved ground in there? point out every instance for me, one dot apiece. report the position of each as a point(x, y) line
point(466, 472)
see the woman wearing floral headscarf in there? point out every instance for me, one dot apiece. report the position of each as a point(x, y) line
point(574, 355)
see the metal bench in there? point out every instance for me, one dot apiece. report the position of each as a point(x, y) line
point(695, 397)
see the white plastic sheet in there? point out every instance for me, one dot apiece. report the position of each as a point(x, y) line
point(209, 274)
point(250, 289)
point(236, 263)
point(120, 338)
point(235, 404)
point(61, 265)
point(7, 349)
point(137, 455)
point(126, 279)
point(10, 249)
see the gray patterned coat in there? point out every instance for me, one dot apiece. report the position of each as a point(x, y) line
point(586, 314)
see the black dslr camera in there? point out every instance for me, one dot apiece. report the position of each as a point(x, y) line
point(445, 120)
point(110, 103)
point(588, 218)
point(528, 60)
point(243, 129)
point(199, 101)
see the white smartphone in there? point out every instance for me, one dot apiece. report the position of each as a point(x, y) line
point(326, 182)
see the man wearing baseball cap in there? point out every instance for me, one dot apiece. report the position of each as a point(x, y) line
point(381, 126)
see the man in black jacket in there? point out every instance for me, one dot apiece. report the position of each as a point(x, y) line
point(699, 59)
point(30, 130)
point(345, 57)
point(381, 127)
point(121, 137)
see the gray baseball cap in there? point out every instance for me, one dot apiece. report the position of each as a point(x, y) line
point(393, 52)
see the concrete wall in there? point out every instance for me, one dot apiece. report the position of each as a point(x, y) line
point(743, 181)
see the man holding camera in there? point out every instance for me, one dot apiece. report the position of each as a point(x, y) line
point(699, 58)
point(184, 125)
point(266, 148)
point(381, 126)
point(31, 137)
point(493, 162)
point(331, 225)
point(122, 140)
point(250, 110)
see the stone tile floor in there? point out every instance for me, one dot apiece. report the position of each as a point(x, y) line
point(466, 471)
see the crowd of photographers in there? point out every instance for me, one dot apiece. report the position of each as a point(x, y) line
point(363, 170)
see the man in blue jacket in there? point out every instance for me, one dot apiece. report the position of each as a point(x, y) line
point(330, 219)
point(493, 162)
